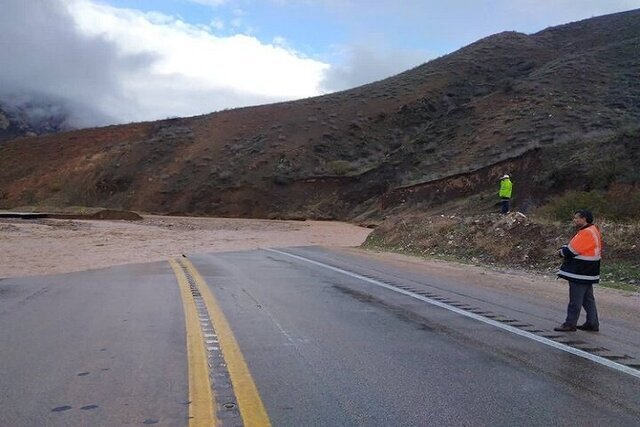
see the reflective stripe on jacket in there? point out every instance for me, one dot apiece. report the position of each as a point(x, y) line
point(582, 256)
point(505, 188)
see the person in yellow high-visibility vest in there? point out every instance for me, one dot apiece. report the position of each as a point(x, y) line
point(506, 188)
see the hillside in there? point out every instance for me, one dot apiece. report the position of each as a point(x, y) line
point(557, 110)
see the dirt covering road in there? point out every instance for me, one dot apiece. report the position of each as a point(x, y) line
point(50, 246)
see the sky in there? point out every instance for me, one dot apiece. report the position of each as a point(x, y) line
point(118, 61)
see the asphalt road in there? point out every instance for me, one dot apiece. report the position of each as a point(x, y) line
point(108, 347)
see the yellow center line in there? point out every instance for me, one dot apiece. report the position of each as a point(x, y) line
point(250, 404)
point(200, 394)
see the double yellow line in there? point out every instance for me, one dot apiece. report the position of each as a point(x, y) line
point(201, 409)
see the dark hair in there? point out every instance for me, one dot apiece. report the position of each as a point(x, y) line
point(585, 214)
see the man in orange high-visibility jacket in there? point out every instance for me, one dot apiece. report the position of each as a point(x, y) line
point(581, 267)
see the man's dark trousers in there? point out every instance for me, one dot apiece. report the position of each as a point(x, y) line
point(505, 205)
point(581, 295)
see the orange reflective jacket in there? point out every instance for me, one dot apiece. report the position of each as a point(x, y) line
point(582, 256)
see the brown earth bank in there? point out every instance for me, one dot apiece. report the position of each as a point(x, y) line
point(514, 241)
point(557, 110)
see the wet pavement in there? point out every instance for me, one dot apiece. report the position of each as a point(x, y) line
point(108, 347)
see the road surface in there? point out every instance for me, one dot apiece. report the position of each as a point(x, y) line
point(300, 336)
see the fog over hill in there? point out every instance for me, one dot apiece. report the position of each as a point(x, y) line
point(31, 116)
point(558, 109)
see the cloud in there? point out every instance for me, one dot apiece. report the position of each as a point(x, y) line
point(42, 57)
point(238, 62)
point(217, 24)
point(110, 65)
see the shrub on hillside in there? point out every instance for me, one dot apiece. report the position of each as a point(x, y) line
point(562, 207)
point(620, 202)
point(339, 167)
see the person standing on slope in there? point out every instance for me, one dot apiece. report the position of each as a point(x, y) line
point(506, 187)
point(581, 267)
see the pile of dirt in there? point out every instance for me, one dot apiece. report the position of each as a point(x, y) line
point(514, 240)
point(115, 215)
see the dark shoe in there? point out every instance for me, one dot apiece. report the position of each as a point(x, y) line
point(565, 328)
point(587, 327)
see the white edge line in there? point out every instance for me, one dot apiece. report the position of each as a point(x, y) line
point(601, 360)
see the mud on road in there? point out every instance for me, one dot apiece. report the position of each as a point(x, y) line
point(51, 246)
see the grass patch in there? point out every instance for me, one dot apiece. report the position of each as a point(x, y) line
point(621, 275)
